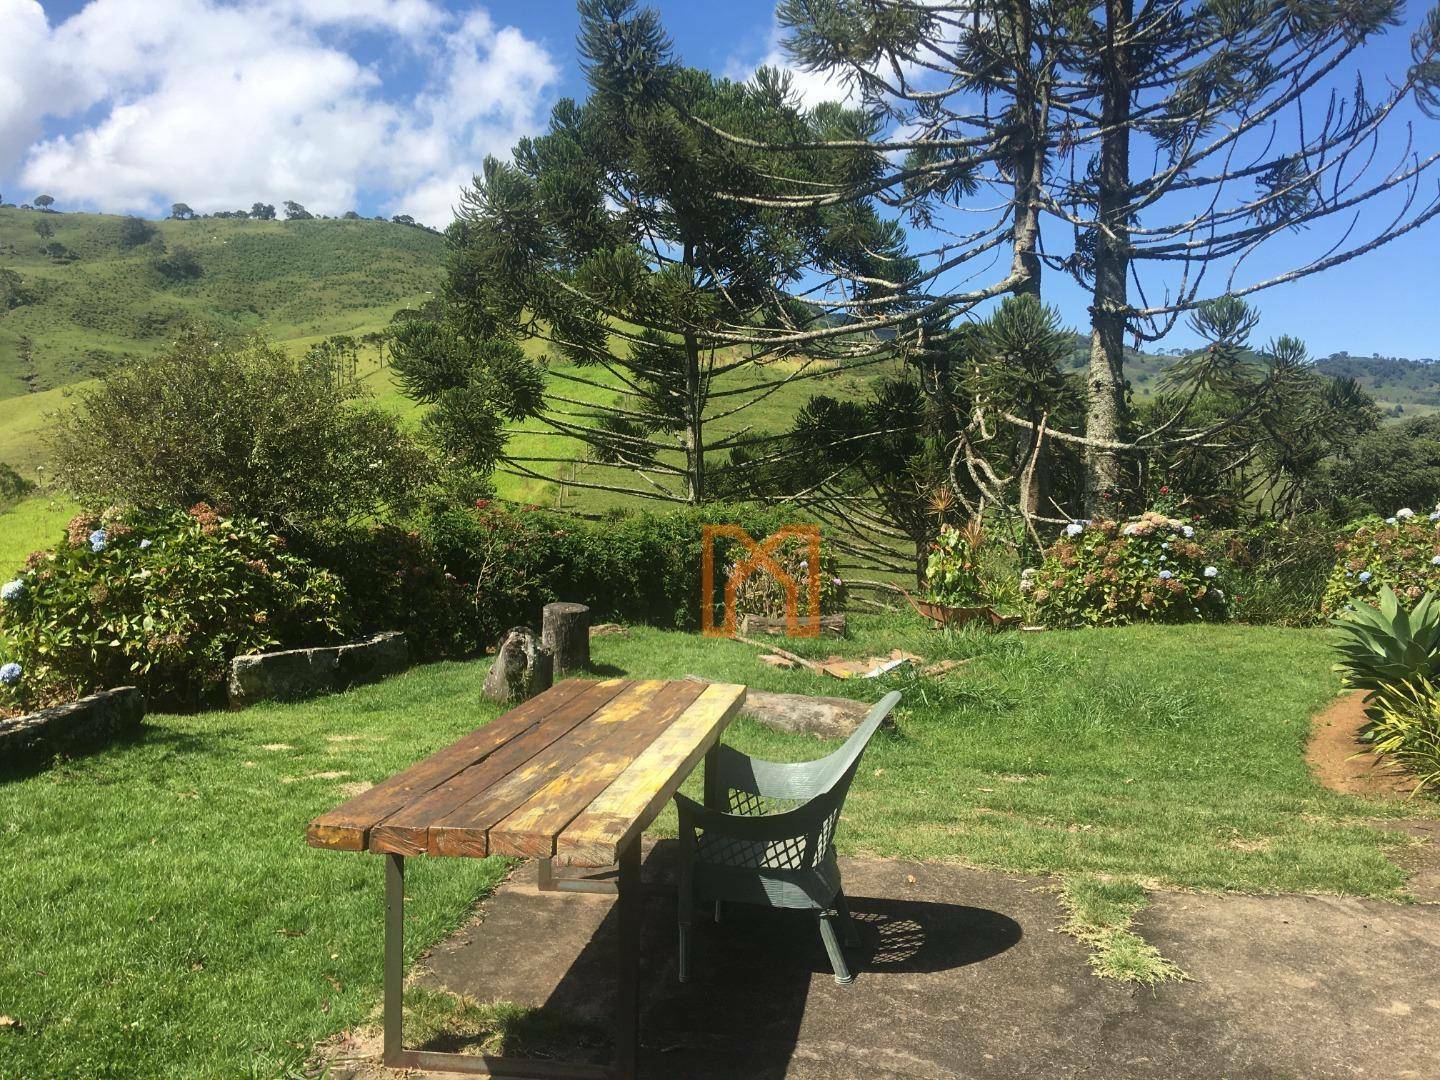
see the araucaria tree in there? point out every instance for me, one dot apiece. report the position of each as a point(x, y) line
point(615, 244)
point(1157, 146)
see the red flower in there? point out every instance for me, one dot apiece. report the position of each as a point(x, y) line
point(481, 504)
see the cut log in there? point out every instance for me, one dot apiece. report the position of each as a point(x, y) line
point(565, 631)
point(523, 667)
point(830, 625)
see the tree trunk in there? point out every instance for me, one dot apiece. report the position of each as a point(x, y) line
point(522, 668)
point(565, 631)
point(1106, 380)
point(694, 405)
point(1027, 163)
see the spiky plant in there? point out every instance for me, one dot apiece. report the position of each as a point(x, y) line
point(1383, 647)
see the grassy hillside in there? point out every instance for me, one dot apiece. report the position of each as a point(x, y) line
point(68, 313)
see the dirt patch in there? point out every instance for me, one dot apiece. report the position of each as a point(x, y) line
point(356, 787)
point(332, 774)
point(1334, 744)
point(273, 746)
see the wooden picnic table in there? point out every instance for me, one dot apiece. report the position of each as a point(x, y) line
point(572, 776)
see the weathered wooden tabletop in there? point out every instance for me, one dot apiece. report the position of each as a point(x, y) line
point(574, 774)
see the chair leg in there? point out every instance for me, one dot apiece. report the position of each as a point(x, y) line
point(847, 924)
point(683, 967)
point(719, 911)
point(832, 946)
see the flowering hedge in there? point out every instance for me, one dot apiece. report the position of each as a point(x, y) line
point(1105, 573)
point(1402, 552)
point(159, 599)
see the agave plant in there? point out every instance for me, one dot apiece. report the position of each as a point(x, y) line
point(1384, 647)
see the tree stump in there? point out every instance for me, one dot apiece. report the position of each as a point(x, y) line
point(523, 667)
point(565, 631)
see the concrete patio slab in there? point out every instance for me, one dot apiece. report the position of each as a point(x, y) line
point(962, 973)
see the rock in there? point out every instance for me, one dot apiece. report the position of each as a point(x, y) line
point(292, 674)
point(81, 724)
point(800, 714)
point(523, 667)
point(565, 631)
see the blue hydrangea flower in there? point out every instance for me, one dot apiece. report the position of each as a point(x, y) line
point(12, 589)
point(144, 544)
point(1210, 571)
point(1166, 575)
point(1435, 516)
point(1390, 521)
point(1365, 576)
point(1189, 531)
point(97, 540)
point(1144, 562)
point(1435, 561)
point(10, 673)
point(1165, 546)
point(1405, 513)
point(1074, 529)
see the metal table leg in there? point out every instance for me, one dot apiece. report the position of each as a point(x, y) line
point(627, 1030)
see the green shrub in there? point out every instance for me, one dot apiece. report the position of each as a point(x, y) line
point(953, 569)
point(1401, 552)
point(243, 425)
point(641, 567)
point(13, 486)
point(1278, 571)
point(1384, 648)
point(159, 599)
point(395, 581)
point(1104, 573)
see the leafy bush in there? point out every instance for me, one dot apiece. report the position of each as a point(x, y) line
point(964, 568)
point(1278, 570)
point(160, 599)
point(13, 486)
point(630, 567)
point(1383, 648)
point(952, 571)
point(1103, 573)
point(1401, 552)
point(394, 580)
point(237, 424)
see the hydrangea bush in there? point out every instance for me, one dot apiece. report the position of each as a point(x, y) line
point(1105, 573)
point(159, 599)
point(1402, 552)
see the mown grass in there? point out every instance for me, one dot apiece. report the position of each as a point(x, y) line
point(164, 918)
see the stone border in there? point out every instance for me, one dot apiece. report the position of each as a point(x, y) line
point(300, 673)
point(81, 724)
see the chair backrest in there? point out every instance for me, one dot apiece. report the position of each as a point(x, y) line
point(839, 766)
point(837, 771)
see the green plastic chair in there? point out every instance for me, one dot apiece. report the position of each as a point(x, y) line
point(766, 835)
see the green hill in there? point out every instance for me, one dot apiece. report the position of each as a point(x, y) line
point(81, 292)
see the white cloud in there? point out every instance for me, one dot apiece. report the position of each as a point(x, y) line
point(220, 104)
point(811, 87)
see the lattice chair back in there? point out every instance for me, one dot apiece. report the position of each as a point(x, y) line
point(795, 807)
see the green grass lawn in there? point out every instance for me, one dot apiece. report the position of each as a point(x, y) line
point(164, 918)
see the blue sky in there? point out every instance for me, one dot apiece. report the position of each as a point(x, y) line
point(387, 106)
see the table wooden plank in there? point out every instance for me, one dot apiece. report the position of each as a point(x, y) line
point(531, 829)
point(347, 827)
point(465, 831)
point(621, 812)
point(406, 832)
